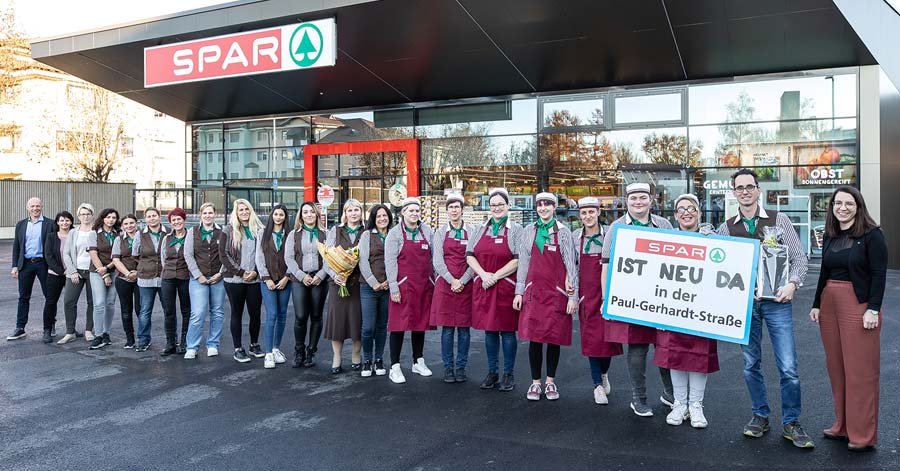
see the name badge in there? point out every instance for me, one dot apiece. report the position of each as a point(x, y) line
point(425, 246)
point(498, 240)
point(551, 248)
point(463, 241)
point(593, 255)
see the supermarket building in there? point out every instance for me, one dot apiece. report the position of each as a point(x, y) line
point(380, 99)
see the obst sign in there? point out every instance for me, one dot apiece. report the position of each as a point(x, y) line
point(682, 281)
point(297, 46)
point(325, 195)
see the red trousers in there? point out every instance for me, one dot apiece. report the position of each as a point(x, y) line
point(852, 356)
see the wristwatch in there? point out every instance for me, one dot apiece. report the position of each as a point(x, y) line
point(872, 312)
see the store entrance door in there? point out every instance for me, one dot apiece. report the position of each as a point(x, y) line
point(367, 190)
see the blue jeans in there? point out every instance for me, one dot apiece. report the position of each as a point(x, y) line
point(148, 296)
point(276, 303)
point(780, 323)
point(374, 321)
point(599, 367)
point(462, 349)
point(206, 299)
point(492, 348)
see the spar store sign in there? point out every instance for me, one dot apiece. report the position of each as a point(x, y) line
point(297, 46)
point(682, 281)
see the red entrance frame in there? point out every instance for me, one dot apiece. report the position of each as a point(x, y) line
point(312, 151)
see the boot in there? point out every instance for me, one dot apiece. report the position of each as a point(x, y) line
point(182, 346)
point(299, 356)
point(310, 357)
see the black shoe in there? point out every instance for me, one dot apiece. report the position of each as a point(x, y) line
point(757, 426)
point(129, 342)
point(106, 339)
point(449, 376)
point(53, 331)
point(509, 382)
point(256, 351)
point(379, 367)
point(310, 360)
point(356, 366)
point(240, 356)
point(169, 350)
point(142, 347)
point(180, 348)
point(48, 337)
point(337, 370)
point(367, 369)
point(16, 334)
point(460, 375)
point(299, 356)
point(491, 380)
point(97, 343)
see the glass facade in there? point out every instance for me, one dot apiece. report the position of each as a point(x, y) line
point(798, 132)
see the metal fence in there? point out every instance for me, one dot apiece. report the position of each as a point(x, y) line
point(57, 196)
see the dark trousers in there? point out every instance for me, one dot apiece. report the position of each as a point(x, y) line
point(70, 302)
point(130, 302)
point(418, 345)
point(309, 302)
point(55, 285)
point(599, 367)
point(536, 359)
point(240, 295)
point(27, 274)
point(167, 295)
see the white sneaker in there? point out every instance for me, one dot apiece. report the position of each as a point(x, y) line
point(66, 339)
point(190, 354)
point(212, 351)
point(396, 374)
point(698, 420)
point(279, 357)
point(678, 414)
point(269, 362)
point(421, 368)
point(88, 336)
point(606, 387)
point(600, 395)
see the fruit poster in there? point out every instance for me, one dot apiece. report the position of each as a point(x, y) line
point(824, 165)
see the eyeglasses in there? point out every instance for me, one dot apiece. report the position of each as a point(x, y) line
point(498, 205)
point(85, 214)
point(686, 209)
point(745, 189)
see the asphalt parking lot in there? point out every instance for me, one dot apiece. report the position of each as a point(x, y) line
point(65, 407)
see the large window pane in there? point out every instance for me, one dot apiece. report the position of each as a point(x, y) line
point(354, 127)
point(573, 111)
point(207, 137)
point(451, 155)
point(667, 146)
point(248, 134)
point(647, 107)
point(292, 132)
point(523, 120)
point(286, 162)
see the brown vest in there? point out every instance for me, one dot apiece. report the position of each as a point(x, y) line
point(149, 263)
point(130, 261)
point(343, 240)
point(176, 266)
point(299, 238)
point(104, 250)
point(739, 229)
point(274, 259)
point(376, 257)
point(206, 254)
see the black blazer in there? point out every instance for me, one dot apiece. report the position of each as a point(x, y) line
point(52, 255)
point(868, 269)
point(18, 251)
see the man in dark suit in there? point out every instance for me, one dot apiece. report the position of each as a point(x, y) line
point(28, 259)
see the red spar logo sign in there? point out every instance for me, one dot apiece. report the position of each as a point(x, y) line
point(670, 249)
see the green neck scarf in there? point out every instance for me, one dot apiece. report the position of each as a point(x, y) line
point(592, 240)
point(751, 223)
point(313, 232)
point(382, 236)
point(496, 225)
point(130, 240)
point(206, 235)
point(176, 240)
point(351, 230)
point(457, 231)
point(412, 232)
point(543, 233)
point(247, 233)
point(635, 222)
point(110, 236)
point(155, 234)
point(279, 238)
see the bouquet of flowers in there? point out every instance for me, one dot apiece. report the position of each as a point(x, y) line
point(773, 269)
point(342, 261)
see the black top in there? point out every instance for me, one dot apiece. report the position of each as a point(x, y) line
point(52, 255)
point(837, 259)
point(867, 266)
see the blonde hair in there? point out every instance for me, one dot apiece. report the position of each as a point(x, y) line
point(237, 234)
point(87, 206)
point(352, 202)
point(207, 205)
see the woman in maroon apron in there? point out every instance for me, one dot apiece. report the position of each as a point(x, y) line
point(547, 297)
point(689, 358)
point(407, 261)
point(591, 324)
point(493, 255)
point(451, 306)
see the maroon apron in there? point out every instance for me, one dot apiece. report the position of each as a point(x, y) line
point(543, 318)
point(684, 352)
point(416, 288)
point(492, 308)
point(449, 308)
point(590, 321)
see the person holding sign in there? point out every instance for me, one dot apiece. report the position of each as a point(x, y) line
point(689, 358)
point(588, 242)
point(848, 300)
point(451, 306)
point(493, 254)
point(545, 293)
point(751, 222)
point(638, 202)
point(407, 261)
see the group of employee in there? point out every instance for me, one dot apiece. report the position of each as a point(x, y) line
point(511, 282)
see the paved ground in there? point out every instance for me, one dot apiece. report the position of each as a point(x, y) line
point(64, 407)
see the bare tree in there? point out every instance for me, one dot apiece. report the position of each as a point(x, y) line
point(671, 149)
point(96, 139)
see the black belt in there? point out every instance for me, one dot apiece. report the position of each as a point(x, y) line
point(34, 260)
